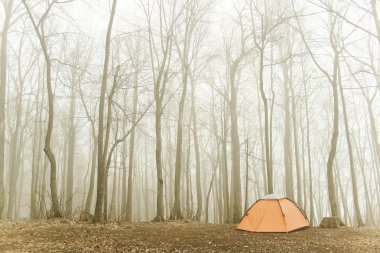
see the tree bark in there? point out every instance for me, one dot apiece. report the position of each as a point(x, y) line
point(311, 219)
point(92, 176)
point(376, 18)
point(47, 147)
point(90, 193)
point(296, 147)
point(124, 180)
point(101, 162)
point(71, 154)
point(266, 124)
point(358, 216)
point(359, 151)
point(35, 160)
point(176, 212)
point(237, 198)
point(160, 181)
point(214, 166)
point(159, 90)
point(15, 150)
point(288, 160)
point(107, 156)
point(3, 86)
point(334, 140)
point(197, 155)
point(246, 205)
point(226, 195)
point(131, 150)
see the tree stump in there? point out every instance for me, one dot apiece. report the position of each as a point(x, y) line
point(331, 222)
point(84, 216)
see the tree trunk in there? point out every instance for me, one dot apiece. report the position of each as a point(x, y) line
point(124, 182)
point(40, 173)
point(176, 209)
point(197, 155)
point(359, 151)
point(112, 211)
point(309, 156)
point(3, 86)
point(131, 151)
point(334, 140)
point(288, 160)
point(94, 151)
point(214, 166)
point(107, 156)
point(271, 112)
point(351, 158)
point(374, 133)
point(35, 161)
point(20, 160)
point(226, 195)
point(160, 216)
point(296, 147)
point(147, 207)
point(92, 176)
point(47, 148)
point(70, 157)
point(189, 211)
point(246, 175)
point(237, 198)
point(14, 157)
point(342, 196)
point(266, 125)
point(101, 161)
point(262, 144)
point(159, 91)
point(376, 18)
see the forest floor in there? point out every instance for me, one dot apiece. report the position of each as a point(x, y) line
point(73, 236)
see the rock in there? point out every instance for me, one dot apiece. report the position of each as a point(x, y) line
point(330, 222)
point(84, 216)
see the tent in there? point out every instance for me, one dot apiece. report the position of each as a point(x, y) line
point(273, 213)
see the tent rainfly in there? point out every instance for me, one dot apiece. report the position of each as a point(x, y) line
point(273, 213)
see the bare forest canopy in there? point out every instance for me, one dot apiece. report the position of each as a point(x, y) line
point(169, 109)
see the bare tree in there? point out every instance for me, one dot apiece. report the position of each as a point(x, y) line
point(136, 68)
point(160, 73)
point(350, 154)
point(187, 44)
point(17, 132)
point(159, 121)
point(288, 159)
point(334, 84)
point(376, 18)
point(197, 153)
point(261, 34)
point(8, 6)
point(234, 64)
point(306, 102)
point(101, 153)
point(40, 32)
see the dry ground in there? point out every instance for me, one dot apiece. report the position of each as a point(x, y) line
point(72, 236)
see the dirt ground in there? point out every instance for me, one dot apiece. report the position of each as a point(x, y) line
point(73, 236)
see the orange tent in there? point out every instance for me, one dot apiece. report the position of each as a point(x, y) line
point(273, 214)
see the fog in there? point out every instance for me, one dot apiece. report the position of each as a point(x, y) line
point(173, 109)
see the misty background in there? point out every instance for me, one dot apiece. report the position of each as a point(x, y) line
point(206, 107)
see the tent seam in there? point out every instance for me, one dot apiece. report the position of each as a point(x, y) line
point(299, 208)
point(246, 213)
point(283, 215)
point(258, 225)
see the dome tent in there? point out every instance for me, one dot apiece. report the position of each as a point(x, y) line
point(273, 213)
